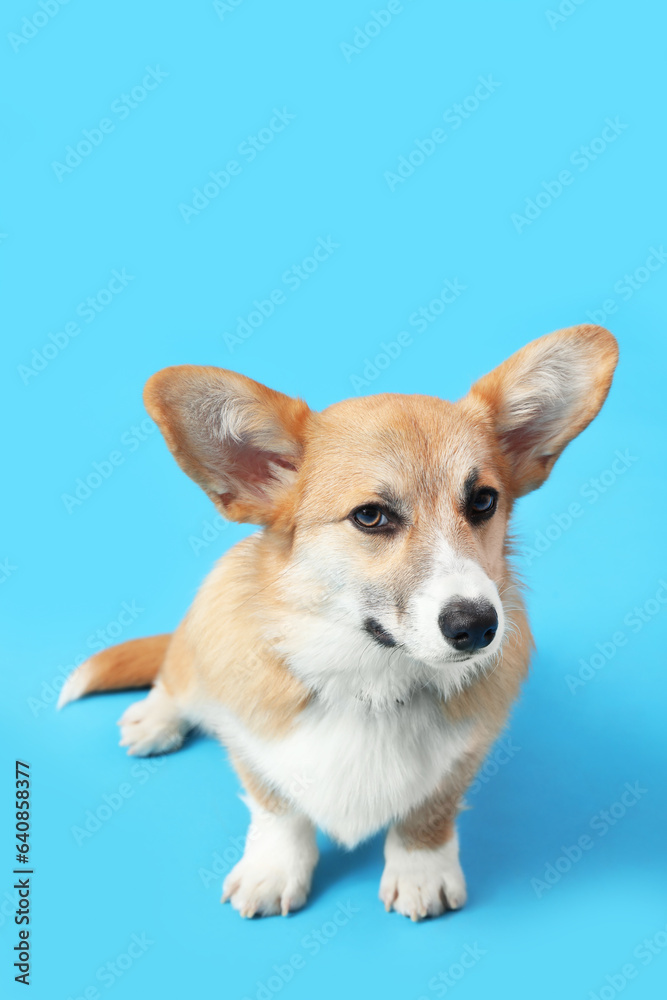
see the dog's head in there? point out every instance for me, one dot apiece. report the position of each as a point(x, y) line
point(391, 511)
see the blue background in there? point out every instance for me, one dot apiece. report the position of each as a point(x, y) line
point(135, 537)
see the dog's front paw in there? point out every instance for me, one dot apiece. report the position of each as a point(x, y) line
point(265, 889)
point(274, 875)
point(422, 882)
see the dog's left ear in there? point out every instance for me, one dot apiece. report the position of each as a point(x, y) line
point(543, 396)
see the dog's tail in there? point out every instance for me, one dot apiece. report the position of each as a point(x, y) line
point(132, 664)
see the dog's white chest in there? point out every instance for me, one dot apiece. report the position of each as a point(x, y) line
point(353, 770)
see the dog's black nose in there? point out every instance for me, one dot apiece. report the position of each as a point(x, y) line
point(469, 625)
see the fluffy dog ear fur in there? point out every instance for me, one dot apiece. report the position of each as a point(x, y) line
point(544, 395)
point(241, 442)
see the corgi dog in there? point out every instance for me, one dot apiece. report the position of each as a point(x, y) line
point(359, 655)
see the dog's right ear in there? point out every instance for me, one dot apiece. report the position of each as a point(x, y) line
point(241, 442)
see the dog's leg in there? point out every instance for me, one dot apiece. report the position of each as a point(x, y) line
point(159, 723)
point(153, 725)
point(422, 881)
point(280, 855)
point(422, 875)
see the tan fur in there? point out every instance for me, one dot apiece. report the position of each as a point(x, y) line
point(241, 603)
point(488, 698)
point(486, 702)
point(432, 823)
point(266, 458)
point(268, 798)
point(166, 399)
point(345, 453)
point(598, 353)
point(236, 665)
point(131, 664)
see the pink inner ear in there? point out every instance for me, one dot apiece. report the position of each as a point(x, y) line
point(521, 439)
point(537, 432)
point(252, 466)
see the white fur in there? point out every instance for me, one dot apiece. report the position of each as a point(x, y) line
point(76, 685)
point(374, 741)
point(324, 642)
point(422, 882)
point(334, 657)
point(276, 869)
point(352, 769)
point(451, 576)
point(153, 725)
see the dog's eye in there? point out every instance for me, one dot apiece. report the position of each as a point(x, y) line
point(483, 503)
point(370, 517)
